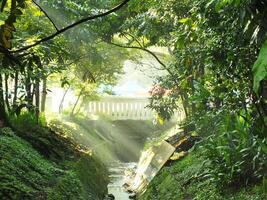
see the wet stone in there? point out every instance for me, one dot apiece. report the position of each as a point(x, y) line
point(133, 196)
point(109, 197)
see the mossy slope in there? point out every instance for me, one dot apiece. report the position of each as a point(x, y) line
point(28, 172)
point(186, 180)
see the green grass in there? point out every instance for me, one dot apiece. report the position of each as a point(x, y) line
point(185, 180)
point(29, 172)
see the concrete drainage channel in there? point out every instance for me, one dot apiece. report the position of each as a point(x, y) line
point(128, 179)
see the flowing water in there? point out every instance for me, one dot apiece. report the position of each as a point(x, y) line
point(118, 177)
point(137, 176)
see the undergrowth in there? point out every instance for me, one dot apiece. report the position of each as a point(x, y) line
point(40, 164)
point(187, 179)
point(229, 163)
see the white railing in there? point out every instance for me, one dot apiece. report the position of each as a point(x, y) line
point(121, 108)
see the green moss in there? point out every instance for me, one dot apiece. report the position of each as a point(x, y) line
point(27, 174)
point(90, 168)
point(185, 179)
point(67, 187)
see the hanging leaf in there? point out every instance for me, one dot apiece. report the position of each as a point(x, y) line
point(260, 68)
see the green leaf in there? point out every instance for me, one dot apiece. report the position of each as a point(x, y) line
point(260, 68)
point(184, 20)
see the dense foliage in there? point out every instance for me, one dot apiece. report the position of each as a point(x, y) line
point(217, 69)
point(34, 47)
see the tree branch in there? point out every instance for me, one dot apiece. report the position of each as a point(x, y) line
point(45, 13)
point(141, 47)
point(174, 78)
point(146, 50)
point(71, 26)
point(133, 37)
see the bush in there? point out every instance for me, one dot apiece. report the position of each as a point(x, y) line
point(26, 120)
point(234, 154)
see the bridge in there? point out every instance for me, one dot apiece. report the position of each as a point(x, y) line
point(120, 108)
point(115, 107)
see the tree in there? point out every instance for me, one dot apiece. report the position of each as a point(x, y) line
point(30, 61)
point(101, 66)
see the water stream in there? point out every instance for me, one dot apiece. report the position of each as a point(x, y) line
point(135, 176)
point(118, 177)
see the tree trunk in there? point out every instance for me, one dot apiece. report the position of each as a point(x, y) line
point(218, 101)
point(60, 109)
point(76, 103)
point(79, 109)
point(15, 88)
point(37, 99)
point(28, 87)
point(3, 117)
point(264, 97)
point(186, 103)
point(7, 93)
point(191, 83)
point(44, 93)
point(13, 5)
point(263, 103)
point(193, 106)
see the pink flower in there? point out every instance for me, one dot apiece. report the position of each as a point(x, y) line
point(157, 90)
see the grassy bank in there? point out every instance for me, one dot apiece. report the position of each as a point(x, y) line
point(187, 179)
point(37, 163)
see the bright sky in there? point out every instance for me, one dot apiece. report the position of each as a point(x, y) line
point(137, 80)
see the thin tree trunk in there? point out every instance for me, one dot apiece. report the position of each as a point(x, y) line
point(191, 82)
point(193, 93)
point(7, 93)
point(13, 5)
point(263, 103)
point(218, 101)
point(76, 103)
point(264, 97)
point(3, 117)
point(37, 99)
point(28, 87)
point(60, 109)
point(44, 93)
point(15, 88)
point(79, 109)
point(184, 105)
